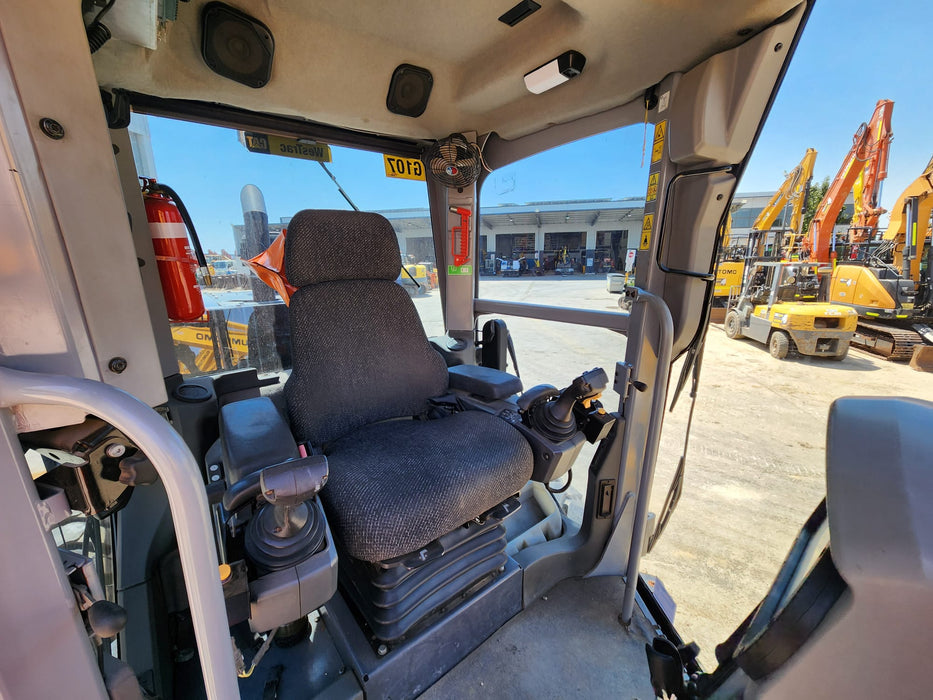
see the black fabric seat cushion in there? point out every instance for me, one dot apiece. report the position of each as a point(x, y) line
point(396, 486)
point(360, 356)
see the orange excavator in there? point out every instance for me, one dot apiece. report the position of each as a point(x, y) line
point(867, 158)
point(891, 322)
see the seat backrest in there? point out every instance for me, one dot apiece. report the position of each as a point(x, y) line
point(359, 350)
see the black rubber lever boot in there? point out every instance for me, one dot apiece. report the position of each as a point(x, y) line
point(555, 419)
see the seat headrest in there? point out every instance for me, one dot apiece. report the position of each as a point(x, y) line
point(325, 245)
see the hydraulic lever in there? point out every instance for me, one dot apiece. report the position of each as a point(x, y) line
point(555, 418)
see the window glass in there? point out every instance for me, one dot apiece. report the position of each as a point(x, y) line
point(245, 323)
point(570, 214)
point(554, 227)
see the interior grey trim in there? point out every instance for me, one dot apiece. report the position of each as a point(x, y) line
point(185, 489)
point(614, 321)
point(662, 372)
point(289, 127)
point(499, 152)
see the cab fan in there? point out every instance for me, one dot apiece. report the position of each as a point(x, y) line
point(454, 161)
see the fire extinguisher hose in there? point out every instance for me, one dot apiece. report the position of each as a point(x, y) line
point(186, 217)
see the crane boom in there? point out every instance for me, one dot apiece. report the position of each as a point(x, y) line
point(869, 154)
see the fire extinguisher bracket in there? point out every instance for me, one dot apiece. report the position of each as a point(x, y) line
point(169, 227)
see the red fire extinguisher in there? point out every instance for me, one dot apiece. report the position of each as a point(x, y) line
point(169, 226)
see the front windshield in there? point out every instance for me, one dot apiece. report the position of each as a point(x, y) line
point(241, 197)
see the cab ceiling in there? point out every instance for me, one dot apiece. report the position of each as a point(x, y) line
point(333, 61)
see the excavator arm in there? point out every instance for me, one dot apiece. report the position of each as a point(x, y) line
point(873, 174)
point(920, 189)
point(869, 154)
point(793, 191)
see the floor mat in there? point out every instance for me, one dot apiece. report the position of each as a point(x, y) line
point(568, 644)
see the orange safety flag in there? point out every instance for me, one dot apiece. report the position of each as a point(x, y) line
point(269, 267)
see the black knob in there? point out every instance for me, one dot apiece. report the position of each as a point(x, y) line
point(106, 619)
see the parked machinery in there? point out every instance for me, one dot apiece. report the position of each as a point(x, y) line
point(867, 158)
point(730, 272)
point(778, 306)
point(887, 285)
point(793, 193)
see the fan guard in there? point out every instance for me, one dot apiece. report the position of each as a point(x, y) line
point(454, 161)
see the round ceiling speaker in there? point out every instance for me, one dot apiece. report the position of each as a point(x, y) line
point(235, 45)
point(409, 90)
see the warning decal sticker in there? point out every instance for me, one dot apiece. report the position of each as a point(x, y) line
point(660, 133)
point(653, 179)
point(646, 226)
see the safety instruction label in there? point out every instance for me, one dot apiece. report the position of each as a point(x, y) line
point(660, 133)
point(653, 180)
point(407, 168)
point(290, 148)
point(459, 269)
point(646, 227)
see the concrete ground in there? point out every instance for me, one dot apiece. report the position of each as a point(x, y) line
point(755, 467)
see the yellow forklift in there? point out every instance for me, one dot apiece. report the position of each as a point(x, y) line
point(783, 241)
point(778, 307)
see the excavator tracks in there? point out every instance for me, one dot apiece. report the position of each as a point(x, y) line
point(888, 341)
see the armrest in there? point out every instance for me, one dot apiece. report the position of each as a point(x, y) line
point(484, 382)
point(253, 435)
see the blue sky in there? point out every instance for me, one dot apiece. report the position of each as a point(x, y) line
point(851, 55)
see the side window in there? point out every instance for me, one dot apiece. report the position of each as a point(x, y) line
point(241, 190)
point(570, 213)
point(560, 228)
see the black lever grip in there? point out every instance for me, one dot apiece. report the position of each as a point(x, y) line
point(287, 483)
point(586, 386)
point(554, 419)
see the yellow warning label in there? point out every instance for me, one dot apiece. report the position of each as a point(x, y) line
point(660, 133)
point(646, 226)
point(653, 179)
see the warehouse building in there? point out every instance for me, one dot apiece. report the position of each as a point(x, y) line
point(589, 236)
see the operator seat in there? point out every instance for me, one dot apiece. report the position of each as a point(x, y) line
point(363, 374)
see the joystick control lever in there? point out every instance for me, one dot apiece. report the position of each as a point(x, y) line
point(289, 528)
point(290, 483)
point(555, 418)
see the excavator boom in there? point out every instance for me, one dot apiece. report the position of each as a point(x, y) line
point(793, 191)
point(869, 154)
point(920, 189)
point(872, 175)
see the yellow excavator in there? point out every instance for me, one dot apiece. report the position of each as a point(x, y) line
point(784, 240)
point(730, 270)
point(889, 285)
point(196, 350)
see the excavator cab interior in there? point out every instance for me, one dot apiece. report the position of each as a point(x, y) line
point(315, 492)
